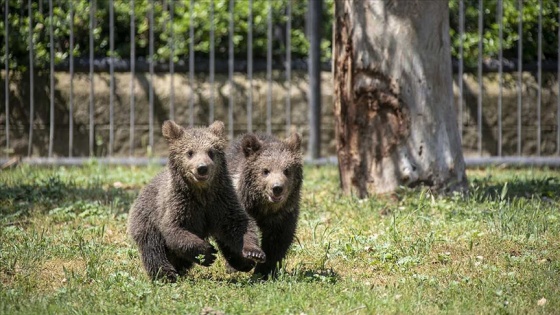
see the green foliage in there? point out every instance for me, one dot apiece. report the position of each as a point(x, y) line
point(19, 29)
point(510, 22)
point(492, 251)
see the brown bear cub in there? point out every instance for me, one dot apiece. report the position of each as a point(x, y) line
point(191, 200)
point(268, 174)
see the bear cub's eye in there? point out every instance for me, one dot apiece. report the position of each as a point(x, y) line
point(211, 154)
point(190, 153)
point(266, 172)
point(287, 172)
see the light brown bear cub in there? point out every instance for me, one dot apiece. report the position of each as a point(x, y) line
point(191, 200)
point(268, 175)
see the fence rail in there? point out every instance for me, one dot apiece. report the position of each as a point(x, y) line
point(522, 130)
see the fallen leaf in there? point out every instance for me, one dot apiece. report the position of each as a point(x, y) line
point(541, 302)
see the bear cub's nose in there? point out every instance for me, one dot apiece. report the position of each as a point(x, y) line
point(202, 169)
point(277, 189)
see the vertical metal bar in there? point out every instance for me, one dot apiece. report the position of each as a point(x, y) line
point(480, 83)
point(191, 64)
point(31, 81)
point(7, 79)
point(519, 73)
point(315, 12)
point(230, 67)
point(558, 98)
point(112, 74)
point(539, 77)
point(212, 65)
point(51, 78)
point(500, 73)
point(172, 59)
point(269, 70)
point(250, 69)
point(289, 67)
point(461, 55)
point(151, 87)
point(132, 73)
point(91, 85)
point(71, 105)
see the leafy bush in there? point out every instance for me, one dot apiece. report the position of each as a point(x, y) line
point(510, 22)
point(18, 20)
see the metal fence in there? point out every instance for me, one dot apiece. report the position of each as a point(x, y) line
point(515, 67)
point(472, 98)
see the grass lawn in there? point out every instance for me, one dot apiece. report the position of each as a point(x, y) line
point(64, 249)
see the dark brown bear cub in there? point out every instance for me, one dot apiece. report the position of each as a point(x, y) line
point(191, 200)
point(267, 174)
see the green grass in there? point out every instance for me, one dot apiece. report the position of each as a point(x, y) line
point(64, 249)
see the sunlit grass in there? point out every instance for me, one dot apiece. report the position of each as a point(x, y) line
point(64, 249)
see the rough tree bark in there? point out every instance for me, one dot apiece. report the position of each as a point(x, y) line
point(395, 117)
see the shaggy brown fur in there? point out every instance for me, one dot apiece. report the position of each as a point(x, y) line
point(191, 200)
point(268, 174)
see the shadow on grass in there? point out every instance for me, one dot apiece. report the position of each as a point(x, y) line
point(307, 275)
point(316, 275)
point(541, 188)
point(20, 200)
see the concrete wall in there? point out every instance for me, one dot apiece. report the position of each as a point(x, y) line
point(19, 111)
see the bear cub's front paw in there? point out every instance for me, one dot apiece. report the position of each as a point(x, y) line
point(254, 254)
point(207, 255)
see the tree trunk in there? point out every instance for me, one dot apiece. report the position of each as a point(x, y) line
point(395, 119)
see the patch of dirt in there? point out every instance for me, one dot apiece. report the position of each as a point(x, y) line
point(52, 274)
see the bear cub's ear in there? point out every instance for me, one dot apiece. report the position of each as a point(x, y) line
point(250, 144)
point(218, 128)
point(171, 131)
point(293, 142)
